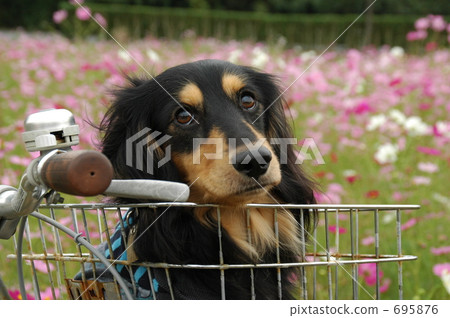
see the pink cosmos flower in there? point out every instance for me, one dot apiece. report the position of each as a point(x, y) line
point(387, 170)
point(385, 283)
point(395, 82)
point(437, 22)
point(397, 196)
point(59, 16)
point(439, 269)
point(440, 250)
point(327, 198)
point(20, 161)
point(362, 108)
point(71, 101)
point(100, 19)
point(83, 13)
point(428, 167)
point(401, 143)
point(421, 34)
point(369, 272)
point(416, 35)
point(41, 266)
point(437, 215)
point(334, 228)
point(47, 294)
point(15, 295)
point(422, 24)
point(28, 88)
point(429, 151)
point(424, 106)
point(352, 179)
point(368, 240)
point(65, 220)
point(420, 180)
point(335, 188)
point(408, 224)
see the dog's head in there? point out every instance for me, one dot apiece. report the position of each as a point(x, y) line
point(223, 127)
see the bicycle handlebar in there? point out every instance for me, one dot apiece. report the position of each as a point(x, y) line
point(81, 172)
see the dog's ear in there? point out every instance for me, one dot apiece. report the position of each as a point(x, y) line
point(126, 126)
point(296, 186)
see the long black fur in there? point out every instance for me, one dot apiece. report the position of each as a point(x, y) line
point(177, 237)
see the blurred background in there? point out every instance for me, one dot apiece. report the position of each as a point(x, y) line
point(311, 23)
point(376, 103)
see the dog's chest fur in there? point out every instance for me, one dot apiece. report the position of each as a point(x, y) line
point(256, 231)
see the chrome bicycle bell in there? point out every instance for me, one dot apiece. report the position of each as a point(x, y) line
point(50, 129)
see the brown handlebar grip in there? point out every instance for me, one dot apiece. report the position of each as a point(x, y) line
point(81, 172)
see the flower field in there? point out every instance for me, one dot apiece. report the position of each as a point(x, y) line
point(379, 117)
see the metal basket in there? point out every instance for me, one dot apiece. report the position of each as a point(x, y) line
point(62, 240)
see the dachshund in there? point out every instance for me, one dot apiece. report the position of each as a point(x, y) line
point(221, 119)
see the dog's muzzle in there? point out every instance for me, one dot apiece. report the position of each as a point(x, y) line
point(253, 162)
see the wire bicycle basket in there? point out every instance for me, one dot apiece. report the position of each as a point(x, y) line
point(334, 267)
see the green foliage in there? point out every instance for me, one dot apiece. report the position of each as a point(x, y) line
point(419, 7)
point(36, 14)
point(310, 30)
point(29, 14)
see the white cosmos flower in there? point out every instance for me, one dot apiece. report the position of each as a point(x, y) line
point(234, 56)
point(397, 116)
point(386, 153)
point(124, 55)
point(260, 58)
point(317, 117)
point(281, 63)
point(375, 122)
point(152, 55)
point(388, 218)
point(445, 277)
point(443, 128)
point(308, 55)
point(397, 51)
point(349, 173)
point(415, 126)
point(441, 199)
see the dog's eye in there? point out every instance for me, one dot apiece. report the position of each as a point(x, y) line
point(247, 102)
point(184, 118)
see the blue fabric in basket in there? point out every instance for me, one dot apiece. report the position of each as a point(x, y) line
point(142, 288)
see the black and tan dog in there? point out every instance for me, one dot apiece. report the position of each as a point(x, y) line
point(237, 106)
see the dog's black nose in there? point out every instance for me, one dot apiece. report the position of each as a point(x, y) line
point(253, 163)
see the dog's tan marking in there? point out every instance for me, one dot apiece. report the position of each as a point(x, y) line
point(262, 229)
point(218, 182)
point(191, 95)
point(231, 84)
point(212, 174)
point(263, 233)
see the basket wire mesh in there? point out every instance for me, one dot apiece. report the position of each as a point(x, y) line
point(59, 241)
